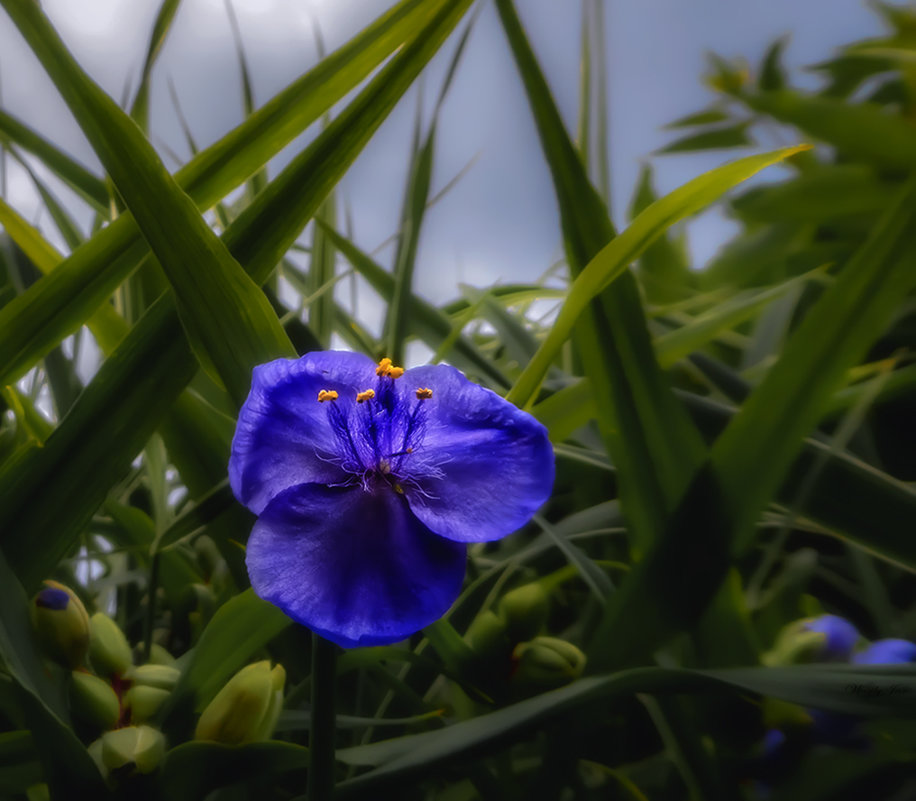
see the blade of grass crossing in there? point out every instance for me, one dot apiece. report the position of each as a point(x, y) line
point(415, 197)
point(81, 180)
point(750, 459)
point(229, 322)
point(427, 322)
point(612, 260)
point(55, 307)
point(139, 109)
point(752, 455)
point(322, 269)
point(47, 495)
point(62, 219)
point(416, 202)
point(602, 167)
point(105, 323)
point(648, 434)
point(262, 233)
point(259, 179)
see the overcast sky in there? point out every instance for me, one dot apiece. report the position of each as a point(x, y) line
point(500, 222)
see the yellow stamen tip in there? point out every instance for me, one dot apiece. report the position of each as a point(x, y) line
point(424, 393)
point(385, 367)
point(367, 394)
point(326, 395)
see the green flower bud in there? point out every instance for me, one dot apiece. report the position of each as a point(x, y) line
point(159, 656)
point(794, 647)
point(486, 636)
point(38, 792)
point(61, 624)
point(93, 701)
point(208, 557)
point(779, 714)
point(109, 651)
point(525, 611)
point(823, 638)
point(160, 676)
point(144, 702)
point(546, 662)
point(247, 708)
point(141, 746)
point(95, 751)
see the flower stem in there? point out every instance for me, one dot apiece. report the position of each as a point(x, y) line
point(321, 740)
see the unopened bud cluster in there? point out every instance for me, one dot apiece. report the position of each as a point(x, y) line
point(117, 701)
point(511, 636)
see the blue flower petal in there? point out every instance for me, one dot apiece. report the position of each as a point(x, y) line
point(887, 652)
point(356, 567)
point(841, 636)
point(482, 468)
point(283, 436)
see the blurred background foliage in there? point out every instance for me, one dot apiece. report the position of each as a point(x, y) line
point(735, 446)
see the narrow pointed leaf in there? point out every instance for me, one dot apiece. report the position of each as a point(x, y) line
point(614, 258)
point(75, 175)
point(139, 109)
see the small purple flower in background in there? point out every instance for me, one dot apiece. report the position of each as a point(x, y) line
point(368, 480)
point(840, 637)
point(886, 652)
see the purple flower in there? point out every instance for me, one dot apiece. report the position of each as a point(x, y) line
point(886, 652)
point(368, 480)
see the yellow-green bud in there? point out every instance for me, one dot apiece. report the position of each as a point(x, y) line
point(159, 656)
point(160, 676)
point(779, 714)
point(95, 751)
point(794, 647)
point(209, 557)
point(144, 702)
point(61, 624)
point(823, 638)
point(93, 701)
point(487, 636)
point(247, 708)
point(38, 792)
point(547, 662)
point(109, 651)
point(525, 611)
point(142, 746)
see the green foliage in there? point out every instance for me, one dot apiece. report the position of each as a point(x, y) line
point(734, 444)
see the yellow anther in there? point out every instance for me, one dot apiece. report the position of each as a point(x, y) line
point(424, 393)
point(385, 367)
point(366, 394)
point(326, 395)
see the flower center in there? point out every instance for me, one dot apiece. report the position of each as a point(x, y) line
point(377, 435)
